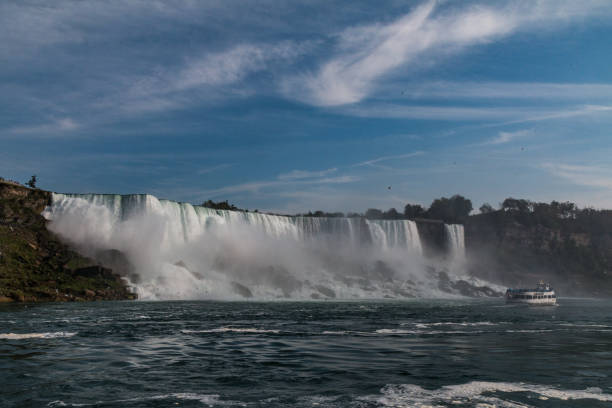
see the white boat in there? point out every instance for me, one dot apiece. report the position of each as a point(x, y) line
point(542, 295)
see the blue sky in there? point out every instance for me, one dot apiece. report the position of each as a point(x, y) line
point(291, 106)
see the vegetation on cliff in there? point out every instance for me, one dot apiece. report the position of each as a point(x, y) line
point(35, 265)
point(525, 241)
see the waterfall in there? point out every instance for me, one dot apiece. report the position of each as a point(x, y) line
point(182, 251)
point(395, 234)
point(455, 240)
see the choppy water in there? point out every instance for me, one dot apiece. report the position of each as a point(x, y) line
point(461, 353)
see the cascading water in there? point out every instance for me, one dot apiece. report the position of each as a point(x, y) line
point(180, 251)
point(395, 234)
point(455, 241)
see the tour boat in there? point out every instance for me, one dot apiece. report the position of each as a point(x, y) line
point(542, 295)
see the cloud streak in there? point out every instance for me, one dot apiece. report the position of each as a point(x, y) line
point(63, 125)
point(374, 162)
point(587, 176)
point(506, 137)
point(257, 186)
point(365, 54)
point(507, 115)
point(211, 76)
point(303, 174)
point(502, 90)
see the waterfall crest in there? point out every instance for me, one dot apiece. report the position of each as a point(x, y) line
point(182, 251)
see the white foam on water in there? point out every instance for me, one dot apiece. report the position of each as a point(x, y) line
point(21, 336)
point(529, 331)
point(585, 325)
point(476, 392)
point(206, 399)
point(396, 332)
point(232, 330)
point(464, 324)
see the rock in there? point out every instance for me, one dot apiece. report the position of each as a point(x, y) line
point(326, 291)
point(115, 260)
point(181, 264)
point(241, 290)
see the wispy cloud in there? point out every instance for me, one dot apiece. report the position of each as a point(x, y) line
point(589, 176)
point(367, 53)
point(506, 137)
point(450, 113)
point(303, 174)
point(255, 187)
point(63, 125)
point(564, 113)
point(225, 71)
point(331, 199)
point(374, 162)
point(503, 90)
point(500, 115)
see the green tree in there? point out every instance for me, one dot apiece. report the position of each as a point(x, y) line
point(413, 211)
point(519, 205)
point(391, 214)
point(373, 214)
point(486, 208)
point(451, 210)
point(221, 205)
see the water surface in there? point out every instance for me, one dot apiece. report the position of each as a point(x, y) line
point(460, 353)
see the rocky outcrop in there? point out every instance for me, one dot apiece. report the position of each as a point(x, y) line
point(36, 266)
point(502, 249)
point(433, 237)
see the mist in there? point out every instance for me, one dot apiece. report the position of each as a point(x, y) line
point(179, 251)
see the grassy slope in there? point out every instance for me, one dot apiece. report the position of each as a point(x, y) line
point(35, 265)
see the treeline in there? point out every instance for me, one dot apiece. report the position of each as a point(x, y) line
point(456, 210)
point(451, 210)
point(222, 205)
point(565, 216)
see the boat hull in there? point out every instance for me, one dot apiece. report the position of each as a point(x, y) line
point(544, 295)
point(533, 302)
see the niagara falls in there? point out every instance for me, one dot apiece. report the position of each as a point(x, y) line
point(305, 204)
point(180, 251)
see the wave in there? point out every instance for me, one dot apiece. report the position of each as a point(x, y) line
point(475, 393)
point(206, 399)
point(21, 336)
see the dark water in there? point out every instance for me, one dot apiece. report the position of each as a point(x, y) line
point(463, 353)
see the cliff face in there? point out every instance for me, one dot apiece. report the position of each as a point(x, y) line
point(511, 250)
point(433, 237)
point(35, 265)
